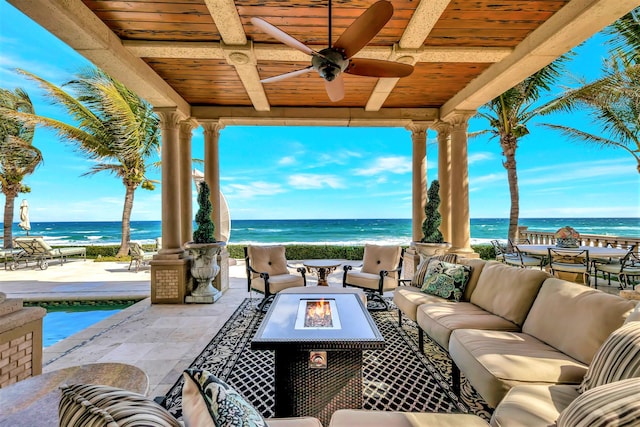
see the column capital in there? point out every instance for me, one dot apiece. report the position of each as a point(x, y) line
point(170, 117)
point(442, 127)
point(188, 124)
point(212, 126)
point(418, 126)
point(459, 118)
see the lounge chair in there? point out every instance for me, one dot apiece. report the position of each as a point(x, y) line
point(7, 255)
point(36, 249)
point(138, 255)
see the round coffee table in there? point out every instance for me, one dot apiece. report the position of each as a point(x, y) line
point(322, 268)
point(34, 401)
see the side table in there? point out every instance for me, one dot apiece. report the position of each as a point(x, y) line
point(322, 268)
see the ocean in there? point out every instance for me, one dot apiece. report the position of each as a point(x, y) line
point(320, 231)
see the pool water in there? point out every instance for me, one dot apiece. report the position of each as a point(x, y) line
point(62, 322)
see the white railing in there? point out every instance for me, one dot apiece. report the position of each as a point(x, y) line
point(547, 238)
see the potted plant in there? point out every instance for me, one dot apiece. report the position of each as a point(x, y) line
point(432, 242)
point(204, 250)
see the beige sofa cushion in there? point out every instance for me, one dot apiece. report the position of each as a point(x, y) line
point(364, 418)
point(575, 319)
point(409, 298)
point(495, 361)
point(439, 319)
point(507, 291)
point(477, 265)
point(278, 283)
point(533, 405)
point(294, 422)
point(268, 259)
point(371, 281)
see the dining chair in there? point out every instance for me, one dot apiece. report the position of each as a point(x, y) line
point(628, 266)
point(570, 261)
point(519, 259)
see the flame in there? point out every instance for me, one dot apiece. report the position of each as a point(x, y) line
point(319, 312)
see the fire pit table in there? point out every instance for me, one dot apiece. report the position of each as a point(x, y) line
point(318, 341)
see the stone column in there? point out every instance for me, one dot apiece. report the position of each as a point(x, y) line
point(212, 130)
point(186, 210)
point(169, 268)
point(460, 221)
point(212, 168)
point(444, 176)
point(419, 177)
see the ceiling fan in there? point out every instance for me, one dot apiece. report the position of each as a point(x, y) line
point(331, 62)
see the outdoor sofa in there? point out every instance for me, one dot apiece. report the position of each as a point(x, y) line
point(525, 340)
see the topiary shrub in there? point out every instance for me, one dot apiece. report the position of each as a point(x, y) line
point(205, 233)
point(431, 225)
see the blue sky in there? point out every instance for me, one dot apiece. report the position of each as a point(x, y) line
point(298, 172)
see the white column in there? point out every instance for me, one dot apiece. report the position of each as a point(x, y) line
point(212, 168)
point(444, 176)
point(419, 177)
point(171, 235)
point(460, 221)
point(186, 210)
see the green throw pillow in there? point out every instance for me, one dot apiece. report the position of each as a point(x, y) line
point(446, 280)
point(209, 401)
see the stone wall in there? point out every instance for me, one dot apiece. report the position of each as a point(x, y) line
point(20, 340)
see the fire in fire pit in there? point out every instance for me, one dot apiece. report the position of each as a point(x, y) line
point(317, 314)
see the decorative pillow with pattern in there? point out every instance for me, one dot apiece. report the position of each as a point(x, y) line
point(89, 405)
point(617, 359)
point(614, 404)
point(446, 280)
point(209, 401)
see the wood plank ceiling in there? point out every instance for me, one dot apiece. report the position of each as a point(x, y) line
point(210, 55)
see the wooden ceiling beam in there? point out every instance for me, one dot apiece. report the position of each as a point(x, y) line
point(570, 26)
point(75, 24)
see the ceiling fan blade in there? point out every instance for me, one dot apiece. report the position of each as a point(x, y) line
point(280, 35)
point(286, 75)
point(364, 28)
point(378, 68)
point(335, 88)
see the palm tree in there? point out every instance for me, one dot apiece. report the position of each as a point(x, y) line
point(18, 158)
point(115, 127)
point(612, 101)
point(508, 115)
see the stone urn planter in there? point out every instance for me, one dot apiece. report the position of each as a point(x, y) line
point(204, 269)
point(430, 249)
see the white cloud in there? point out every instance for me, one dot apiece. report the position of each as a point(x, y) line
point(391, 164)
point(479, 157)
point(305, 181)
point(247, 191)
point(288, 160)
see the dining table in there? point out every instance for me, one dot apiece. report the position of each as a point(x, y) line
point(594, 251)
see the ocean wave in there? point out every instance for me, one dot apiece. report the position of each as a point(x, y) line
point(94, 237)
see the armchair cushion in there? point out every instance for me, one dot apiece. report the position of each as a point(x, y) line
point(617, 359)
point(377, 258)
point(268, 259)
point(614, 404)
point(209, 402)
point(446, 280)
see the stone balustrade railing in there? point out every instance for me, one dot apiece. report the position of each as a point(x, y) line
point(547, 238)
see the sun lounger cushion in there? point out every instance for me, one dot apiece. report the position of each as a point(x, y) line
point(208, 401)
point(88, 405)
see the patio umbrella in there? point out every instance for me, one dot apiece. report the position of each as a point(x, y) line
point(225, 217)
point(24, 216)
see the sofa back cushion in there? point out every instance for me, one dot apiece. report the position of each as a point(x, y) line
point(268, 259)
point(575, 319)
point(507, 291)
point(476, 265)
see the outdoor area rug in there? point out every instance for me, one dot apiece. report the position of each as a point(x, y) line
point(398, 378)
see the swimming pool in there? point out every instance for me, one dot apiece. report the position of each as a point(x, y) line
point(64, 320)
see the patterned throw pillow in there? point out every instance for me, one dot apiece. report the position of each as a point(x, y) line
point(617, 359)
point(209, 401)
point(614, 404)
point(446, 280)
point(88, 405)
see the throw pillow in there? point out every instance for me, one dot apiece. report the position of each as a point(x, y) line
point(614, 404)
point(209, 401)
point(89, 405)
point(446, 280)
point(617, 359)
point(421, 271)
